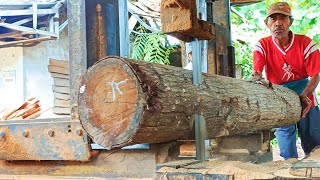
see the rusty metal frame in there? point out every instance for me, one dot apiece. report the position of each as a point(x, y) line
point(43, 139)
point(220, 49)
point(77, 49)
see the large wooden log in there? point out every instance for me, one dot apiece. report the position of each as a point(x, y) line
point(124, 102)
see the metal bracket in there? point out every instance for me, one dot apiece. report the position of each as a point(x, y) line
point(43, 139)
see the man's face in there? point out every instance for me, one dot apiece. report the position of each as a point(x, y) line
point(278, 25)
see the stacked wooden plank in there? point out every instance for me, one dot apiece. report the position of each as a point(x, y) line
point(30, 109)
point(61, 86)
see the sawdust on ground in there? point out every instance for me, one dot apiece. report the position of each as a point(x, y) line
point(239, 170)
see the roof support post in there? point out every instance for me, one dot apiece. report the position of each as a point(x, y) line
point(35, 15)
point(77, 49)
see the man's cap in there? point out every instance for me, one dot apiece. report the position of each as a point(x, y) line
point(279, 7)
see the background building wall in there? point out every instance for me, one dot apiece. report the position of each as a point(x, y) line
point(11, 76)
point(37, 79)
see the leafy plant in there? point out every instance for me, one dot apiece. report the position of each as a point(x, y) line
point(243, 53)
point(139, 43)
point(151, 47)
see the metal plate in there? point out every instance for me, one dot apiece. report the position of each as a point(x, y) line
point(47, 139)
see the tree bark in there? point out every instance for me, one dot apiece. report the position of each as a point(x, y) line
point(123, 102)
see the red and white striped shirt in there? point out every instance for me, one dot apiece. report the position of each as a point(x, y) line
point(301, 59)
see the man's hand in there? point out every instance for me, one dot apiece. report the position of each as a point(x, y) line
point(306, 105)
point(260, 80)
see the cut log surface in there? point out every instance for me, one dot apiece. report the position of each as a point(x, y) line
point(123, 102)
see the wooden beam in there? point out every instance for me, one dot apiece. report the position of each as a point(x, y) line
point(58, 69)
point(21, 42)
point(60, 63)
point(61, 82)
point(10, 34)
point(63, 90)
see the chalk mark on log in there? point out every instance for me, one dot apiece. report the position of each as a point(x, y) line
point(115, 87)
point(82, 89)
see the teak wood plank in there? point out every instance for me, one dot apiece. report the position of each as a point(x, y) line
point(61, 110)
point(57, 69)
point(61, 96)
point(36, 114)
point(61, 76)
point(12, 111)
point(59, 63)
point(59, 89)
point(61, 82)
point(61, 103)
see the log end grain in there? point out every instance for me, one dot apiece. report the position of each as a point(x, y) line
point(110, 102)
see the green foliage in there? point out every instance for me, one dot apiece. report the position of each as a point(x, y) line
point(244, 58)
point(151, 47)
point(247, 26)
point(274, 143)
point(155, 51)
point(138, 46)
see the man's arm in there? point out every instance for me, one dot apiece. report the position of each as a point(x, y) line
point(257, 73)
point(305, 101)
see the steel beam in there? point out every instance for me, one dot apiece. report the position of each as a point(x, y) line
point(77, 49)
point(225, 64)
point(120, 164)
point(123, 28)
point(43, 139)
point(200, 128)
point(102, 34)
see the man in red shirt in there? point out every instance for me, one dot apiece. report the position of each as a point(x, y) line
point(293, 61)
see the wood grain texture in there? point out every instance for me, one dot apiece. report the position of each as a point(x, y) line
point(61, 103)
point(60, 63)
point(61, 96)
point(61, 76)
point(58, 69)
point(61, 110)
point(61, 82)
point(124, 102)
point(59, 89)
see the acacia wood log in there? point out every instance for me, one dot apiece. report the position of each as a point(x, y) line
point(123, 102)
